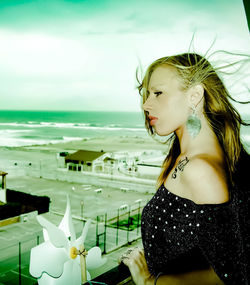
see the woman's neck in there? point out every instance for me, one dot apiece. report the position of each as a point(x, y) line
point(205, 142)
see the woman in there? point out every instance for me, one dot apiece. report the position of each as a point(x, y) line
point(195, 228)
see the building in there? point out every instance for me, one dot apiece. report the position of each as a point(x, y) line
point(85, 160)
point(3, 187)
point(151, 166)
point(150, 170)
point(61, 159)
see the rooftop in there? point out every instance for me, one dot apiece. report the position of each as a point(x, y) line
point(84, 155)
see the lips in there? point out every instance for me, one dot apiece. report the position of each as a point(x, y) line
point(153, 120)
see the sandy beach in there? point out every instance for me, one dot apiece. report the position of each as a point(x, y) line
point(108, 144)
point(35, 153)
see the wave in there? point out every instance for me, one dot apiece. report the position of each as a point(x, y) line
point(66, 139)
point(12, 142)
point(88, 126)
point(8, 131)
point(15, 142)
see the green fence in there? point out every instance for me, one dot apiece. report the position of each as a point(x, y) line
point(120, 227)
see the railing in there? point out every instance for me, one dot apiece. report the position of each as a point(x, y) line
point(119, 275)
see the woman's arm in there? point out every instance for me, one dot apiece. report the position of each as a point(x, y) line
point(137, 265)
point(204, 277)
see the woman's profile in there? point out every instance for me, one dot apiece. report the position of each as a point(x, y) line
point(195, 228)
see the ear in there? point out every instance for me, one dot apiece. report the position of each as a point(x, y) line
point(196, 94)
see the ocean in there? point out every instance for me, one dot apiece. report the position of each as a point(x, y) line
point(21, 128)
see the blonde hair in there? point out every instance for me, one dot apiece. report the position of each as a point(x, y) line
point(224, 119)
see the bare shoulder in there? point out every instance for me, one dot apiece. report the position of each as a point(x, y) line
point(205, 180)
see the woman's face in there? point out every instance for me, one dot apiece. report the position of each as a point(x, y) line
point(167, 105)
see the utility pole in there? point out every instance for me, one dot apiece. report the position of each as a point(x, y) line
point(82, 205)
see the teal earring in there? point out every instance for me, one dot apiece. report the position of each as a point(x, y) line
point(193, 124)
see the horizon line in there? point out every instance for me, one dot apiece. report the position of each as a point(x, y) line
point(63, 110)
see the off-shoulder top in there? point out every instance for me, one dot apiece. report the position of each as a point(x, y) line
point(179, 235)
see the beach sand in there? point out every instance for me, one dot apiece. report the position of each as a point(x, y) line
point(108, 144)
point(35, 153)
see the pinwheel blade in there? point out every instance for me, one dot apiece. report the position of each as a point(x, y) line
point(94, 258)
point(66, 224)
point(71, 275)
point(56, 236)
point(47, 258)
point(82, 238)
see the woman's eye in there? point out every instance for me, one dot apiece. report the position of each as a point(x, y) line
point(158, 93)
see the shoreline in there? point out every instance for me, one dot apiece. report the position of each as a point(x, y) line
point(105, 143)
point(18, 161)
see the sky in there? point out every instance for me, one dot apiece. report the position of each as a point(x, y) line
point(83, 54)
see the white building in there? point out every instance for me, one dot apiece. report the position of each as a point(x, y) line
point(3, 187)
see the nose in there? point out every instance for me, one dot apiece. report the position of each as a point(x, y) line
point(146, 106)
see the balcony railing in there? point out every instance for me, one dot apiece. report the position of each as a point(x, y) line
point(119, 275)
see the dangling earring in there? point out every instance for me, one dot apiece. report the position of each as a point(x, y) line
point(193, 124)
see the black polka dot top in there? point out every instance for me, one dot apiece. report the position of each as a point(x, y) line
point(179, 235)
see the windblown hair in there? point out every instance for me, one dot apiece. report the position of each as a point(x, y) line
point(225, 121)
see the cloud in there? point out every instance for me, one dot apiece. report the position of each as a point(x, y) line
point(92, 17)
point(82, 54)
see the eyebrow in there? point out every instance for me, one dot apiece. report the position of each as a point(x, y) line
point(158, 86)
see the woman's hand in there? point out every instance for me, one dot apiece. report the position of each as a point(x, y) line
point(136, 262)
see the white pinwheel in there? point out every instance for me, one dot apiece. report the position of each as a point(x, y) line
point(56, 260)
